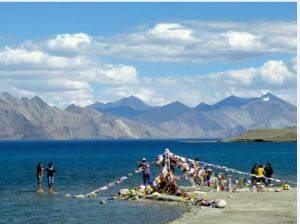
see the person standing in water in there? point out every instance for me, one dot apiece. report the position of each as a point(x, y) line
point(40, 176)
point(50, 170)
point(146, 170)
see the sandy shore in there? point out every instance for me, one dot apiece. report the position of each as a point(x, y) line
point(245, 207)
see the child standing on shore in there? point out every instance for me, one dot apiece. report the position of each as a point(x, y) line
point(50, 170)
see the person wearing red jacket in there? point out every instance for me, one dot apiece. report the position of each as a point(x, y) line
point(40, 176)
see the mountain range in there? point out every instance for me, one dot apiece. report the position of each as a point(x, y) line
point(229, 117)
point(23, 118)
point(34, 119)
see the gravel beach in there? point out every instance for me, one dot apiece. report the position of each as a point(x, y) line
point(246, 207)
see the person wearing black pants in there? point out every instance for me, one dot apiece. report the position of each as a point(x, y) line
point(146, 170)
point(254, 172)
point(269, 172)
point(50, 177)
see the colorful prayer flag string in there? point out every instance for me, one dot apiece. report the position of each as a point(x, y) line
point(118, 181)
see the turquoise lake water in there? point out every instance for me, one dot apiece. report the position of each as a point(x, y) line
point(84, 166)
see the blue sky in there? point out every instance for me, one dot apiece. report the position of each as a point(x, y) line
point(160, 52)
point(30, 20)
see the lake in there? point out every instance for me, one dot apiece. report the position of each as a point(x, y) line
point(84, 166)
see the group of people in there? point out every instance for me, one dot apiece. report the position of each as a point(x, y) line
point(261, 172)
point(50, 171)
point(196, 170)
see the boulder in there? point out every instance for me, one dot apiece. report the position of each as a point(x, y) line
point(123, 191)
point(220, 203)
point(79, 196)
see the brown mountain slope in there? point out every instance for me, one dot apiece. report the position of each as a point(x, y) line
point(266, 135)
point(35, 119)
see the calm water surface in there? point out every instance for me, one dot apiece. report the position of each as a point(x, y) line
point(84, 166)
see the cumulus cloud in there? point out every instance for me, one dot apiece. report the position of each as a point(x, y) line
point(168, 32)
point(69, 68)
point(62, 44)
point(243, 41)
point(118, 74)
point(202, 42)
point(276, 77)
point(185, 41)
point(274, 72)
point(59, 79)
point(21, 58)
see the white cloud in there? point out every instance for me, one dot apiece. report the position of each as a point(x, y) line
point(68, 68)
point(58, 79)
point(243, 41)
point(278, 77)
point(202, 42)
point(117, 74)
point(186, 41)
point(20, 58)
point(171, 31)
point(19, 63)
point(275, 73)
point(240, 77)
point(272, 76)
point(63, 44)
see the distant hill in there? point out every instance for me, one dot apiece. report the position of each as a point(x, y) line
point(266, 135)
point(229, 117)
point(35, 119)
